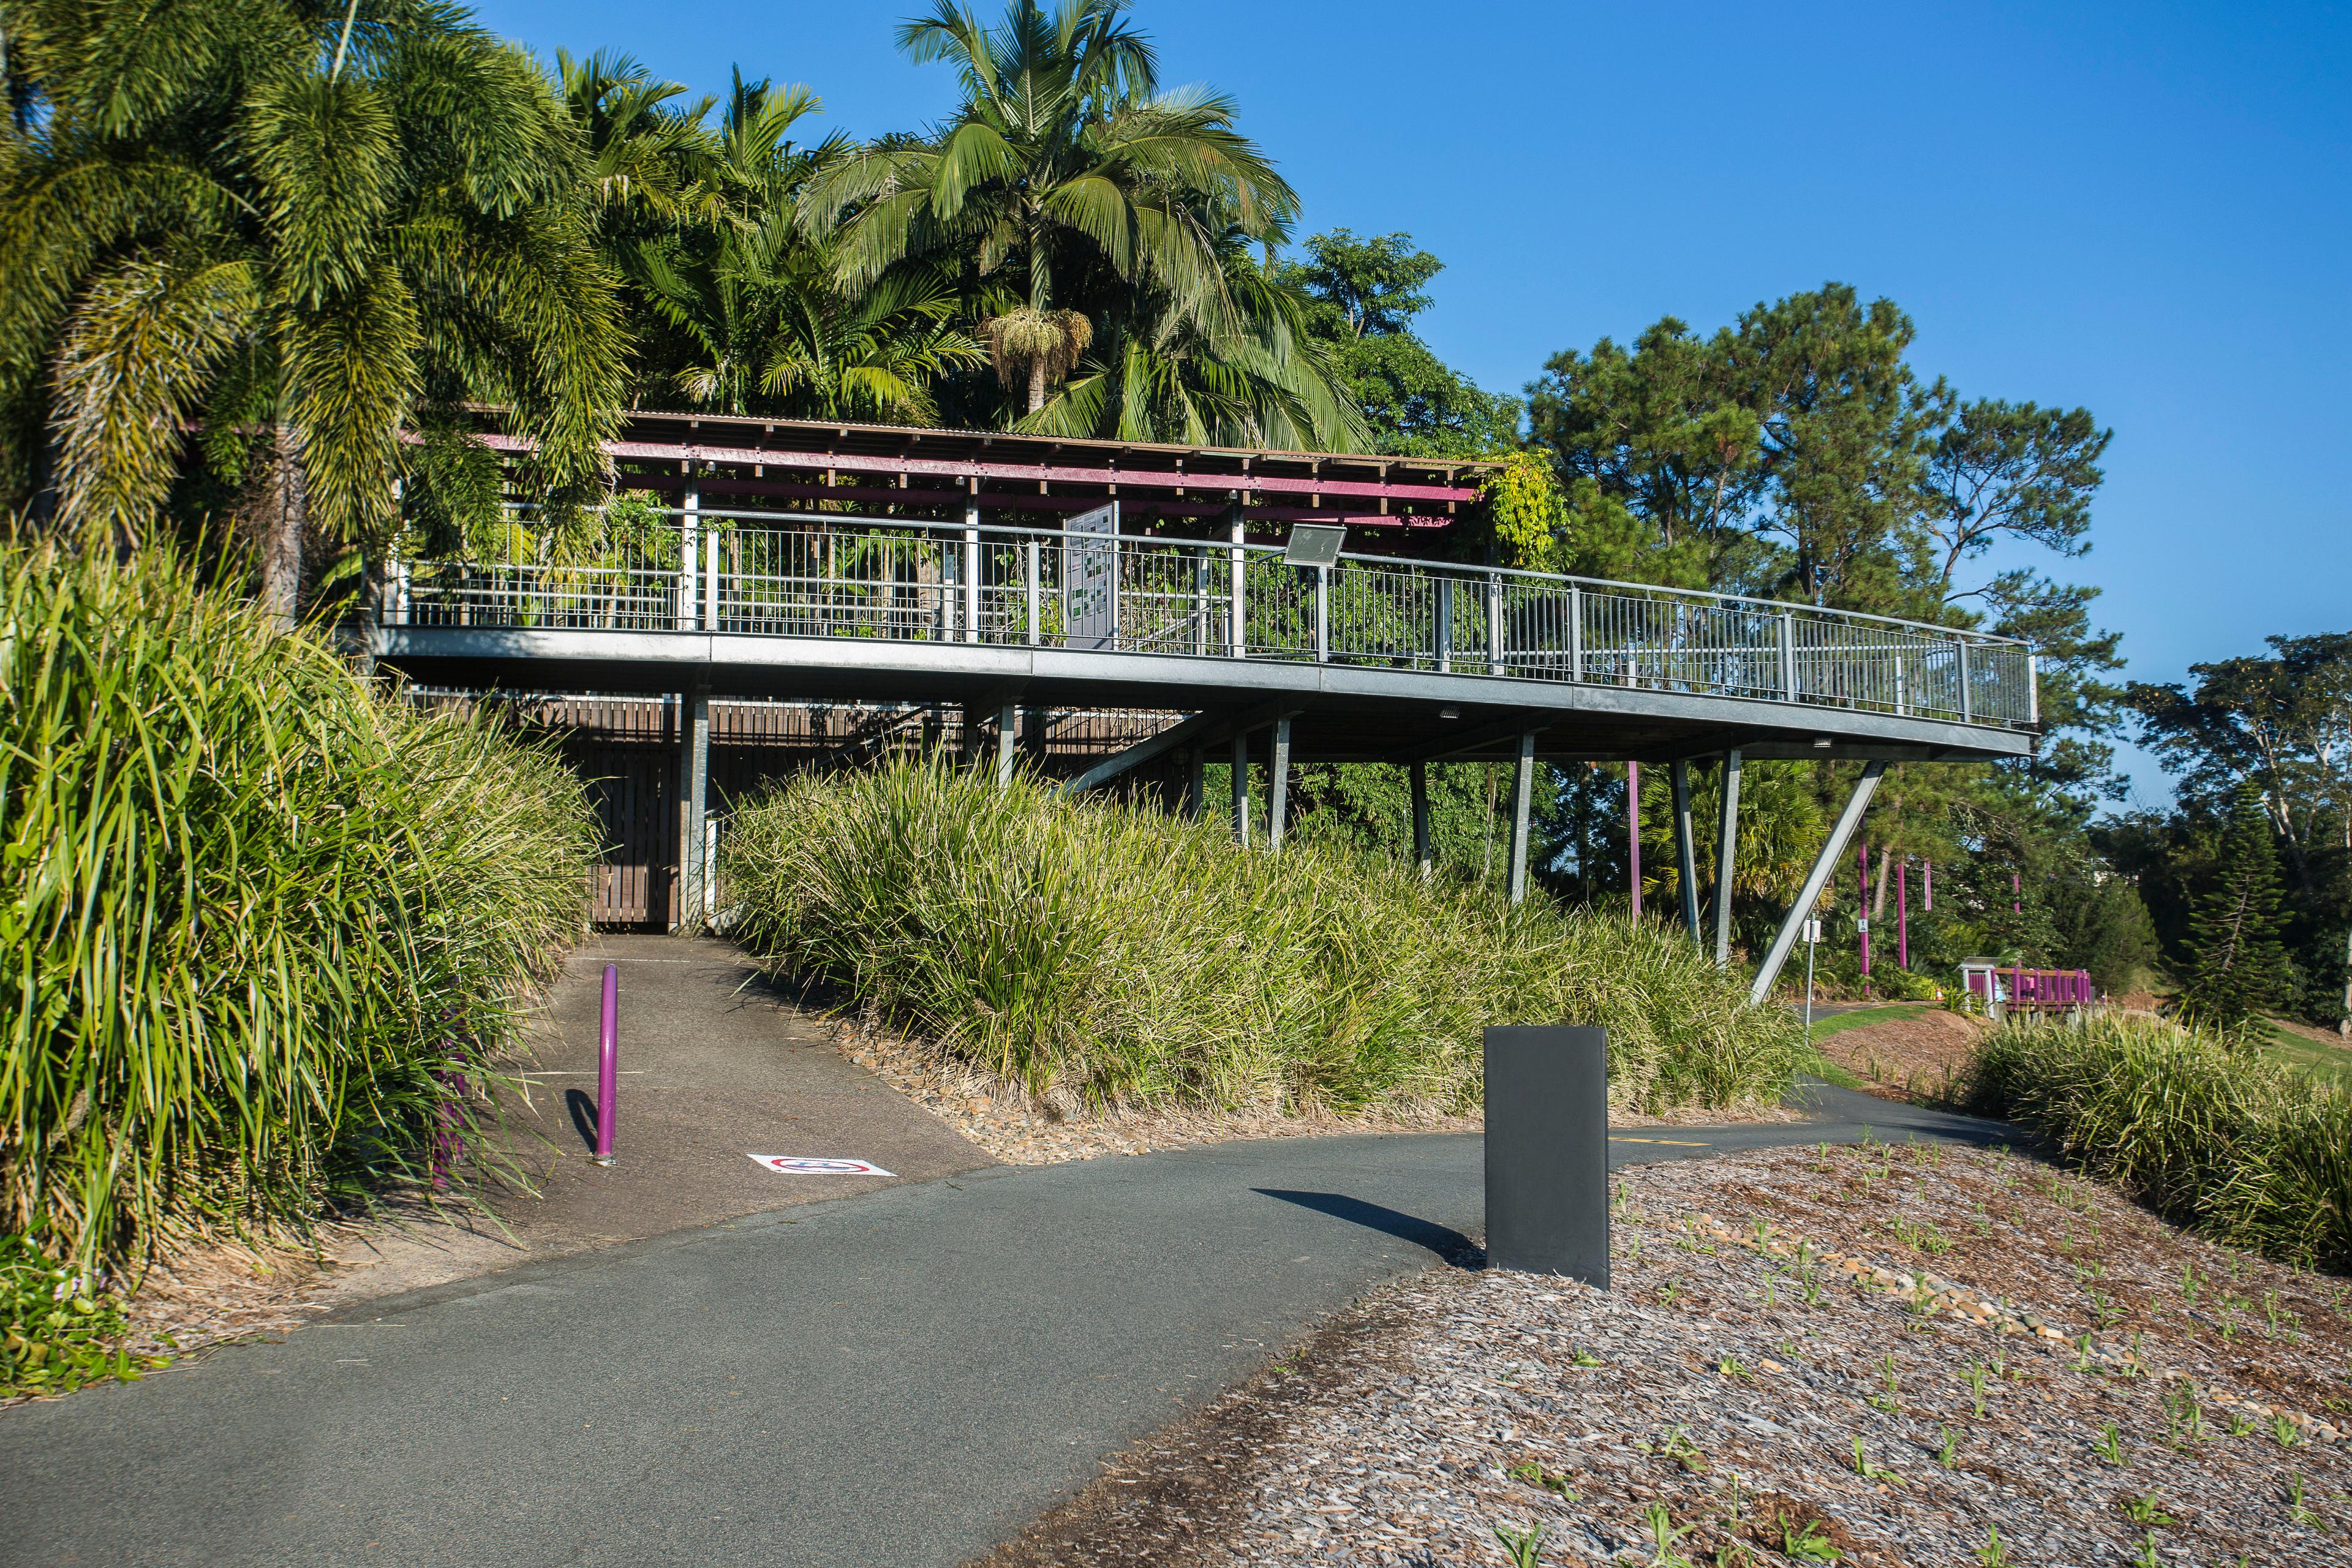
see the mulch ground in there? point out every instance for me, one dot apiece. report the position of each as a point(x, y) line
point(1873, 1356)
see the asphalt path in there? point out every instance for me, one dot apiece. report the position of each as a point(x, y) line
point(897, 1379)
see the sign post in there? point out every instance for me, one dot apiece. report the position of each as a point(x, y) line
point(1548, 1152)
point(1813, 939)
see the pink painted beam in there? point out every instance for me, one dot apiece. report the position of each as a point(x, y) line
point(1029, 473)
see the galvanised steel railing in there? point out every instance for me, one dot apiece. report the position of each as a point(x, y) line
point(890, 579)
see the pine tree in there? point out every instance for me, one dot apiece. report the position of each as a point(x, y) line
point(2238, 963)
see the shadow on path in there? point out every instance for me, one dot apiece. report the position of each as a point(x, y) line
point(1450, 1244)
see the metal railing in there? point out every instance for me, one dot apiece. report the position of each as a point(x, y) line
point(889, 579)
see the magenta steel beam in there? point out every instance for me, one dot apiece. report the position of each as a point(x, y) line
point(608, 1062)
point(1902, 916)
point(1022, 501)
point(1027, 473)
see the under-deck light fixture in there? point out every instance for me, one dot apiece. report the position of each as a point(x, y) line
point(1822, 743)
point(1449, 712)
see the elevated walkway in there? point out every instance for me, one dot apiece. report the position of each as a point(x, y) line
point(1077, 576)
point(1373, 658)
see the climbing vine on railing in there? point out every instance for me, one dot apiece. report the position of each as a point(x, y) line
point(1524, 499)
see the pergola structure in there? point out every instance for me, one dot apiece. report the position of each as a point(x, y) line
point(1291, 605)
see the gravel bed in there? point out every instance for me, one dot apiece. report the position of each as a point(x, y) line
point(1873, 1356)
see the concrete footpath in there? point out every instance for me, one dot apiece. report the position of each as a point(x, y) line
point(896, 1378)
point(716, 1065)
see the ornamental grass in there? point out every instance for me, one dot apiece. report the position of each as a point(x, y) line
point(262, 929)
point(2191, 1121)
point(1100, 953)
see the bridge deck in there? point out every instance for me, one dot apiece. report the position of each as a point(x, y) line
point(1378, 659)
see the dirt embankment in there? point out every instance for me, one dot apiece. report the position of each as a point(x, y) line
point(1911, 1058)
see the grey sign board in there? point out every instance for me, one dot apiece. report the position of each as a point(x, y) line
point(1090, 579)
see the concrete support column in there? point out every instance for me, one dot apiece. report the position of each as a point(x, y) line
point(693, 793)
point(1417, 775)
point(1726, 846)
point(1278, 789)
point(1522, 797)
point(1685, 850)
point(1241, 788)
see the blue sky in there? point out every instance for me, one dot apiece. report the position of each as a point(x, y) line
point(2144, 209)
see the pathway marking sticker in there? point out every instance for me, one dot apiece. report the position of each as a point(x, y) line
point(1676, 1142)
point(805, 1165)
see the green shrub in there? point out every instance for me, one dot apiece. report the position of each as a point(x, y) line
point(1120, 956)
point(261, 925)
point(2193, 1124)
point(57, 1332)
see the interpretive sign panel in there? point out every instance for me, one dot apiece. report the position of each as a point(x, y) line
point(1090, 579)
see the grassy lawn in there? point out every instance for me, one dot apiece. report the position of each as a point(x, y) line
point(2330, 1064)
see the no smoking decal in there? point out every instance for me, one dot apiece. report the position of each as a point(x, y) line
point(805, 1165)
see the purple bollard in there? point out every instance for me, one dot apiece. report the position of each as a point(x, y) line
point(608, 1061)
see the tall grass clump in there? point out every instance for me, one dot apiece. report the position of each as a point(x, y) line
point(260, 925)
point(2191, 1121)
point(1101, 953)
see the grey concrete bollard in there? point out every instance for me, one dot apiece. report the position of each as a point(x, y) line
point(1548, 1152)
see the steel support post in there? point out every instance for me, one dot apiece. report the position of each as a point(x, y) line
point(1322, 615)
point(1444, 624)
point(1967, 697)
point(711, 581)
point(1196, 783)
point(1277, 785)
point(1029, 586)
point(1633, 835)
point(972, 571)
point(693, 792)
point(1522, 796)
point(1494, 624)
point(1788, 658)
point(1201, 603)
point(1008, 730)
point(1237, 613)
point(1816, 880)
point(1241, 788)
point(1726, 846)
point(1418, 775)
point(1575, 632)
point(690, 556)
point(1685, 850)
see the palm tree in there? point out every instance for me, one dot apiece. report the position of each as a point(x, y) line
point(746, 310)
point(300, 234)
point(1070, 190)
